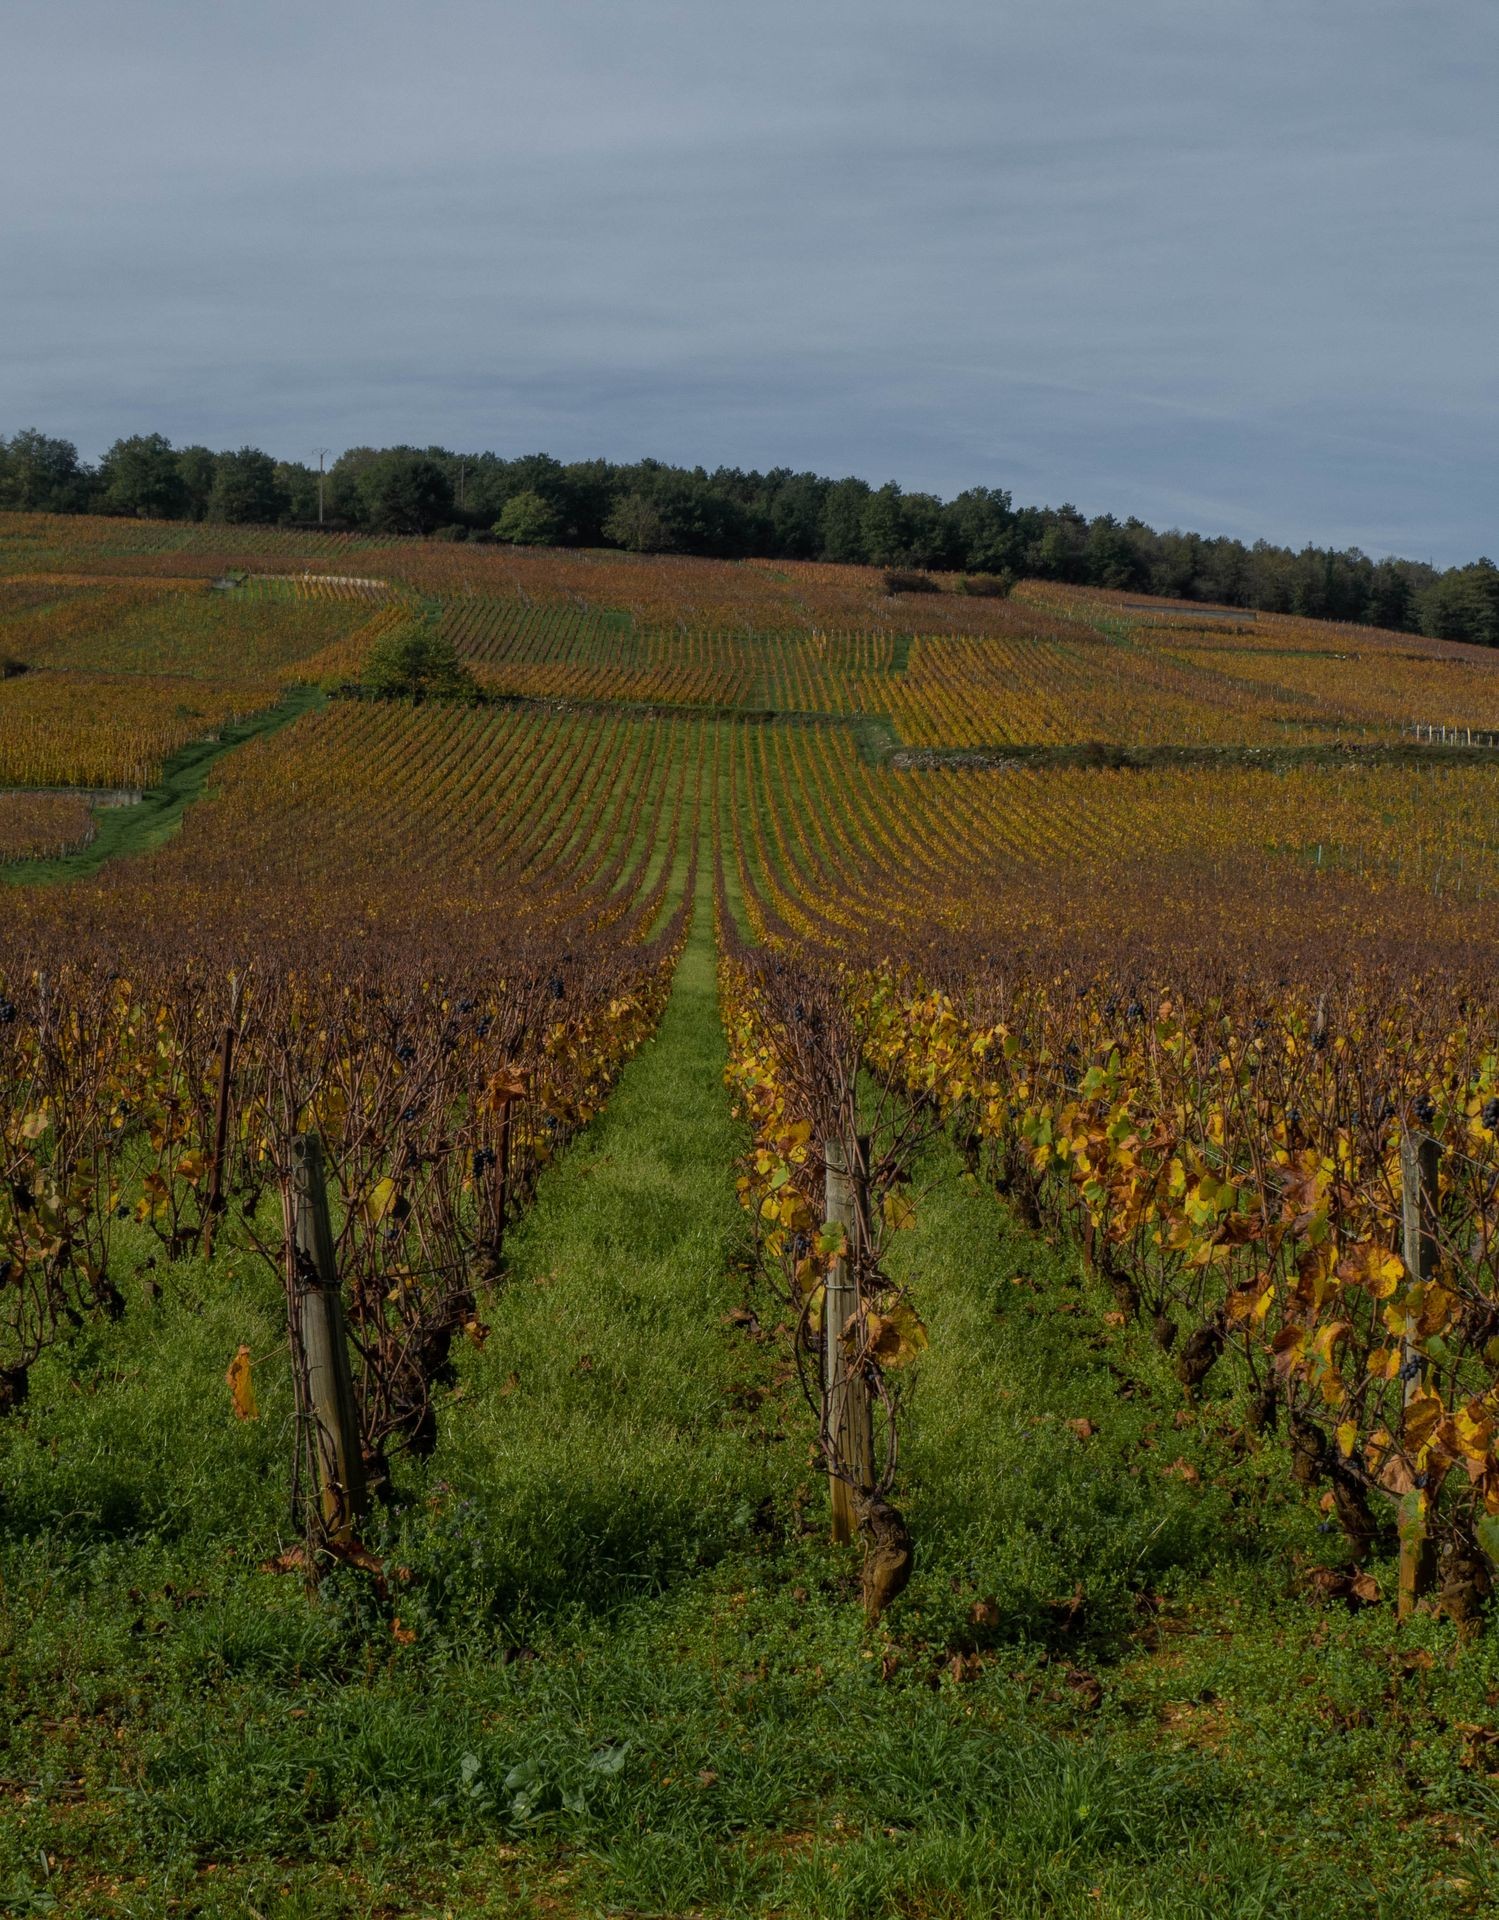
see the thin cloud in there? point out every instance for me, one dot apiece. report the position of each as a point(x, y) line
point(1236, 263)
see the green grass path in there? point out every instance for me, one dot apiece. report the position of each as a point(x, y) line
point(120, 831)
point(599, 1435)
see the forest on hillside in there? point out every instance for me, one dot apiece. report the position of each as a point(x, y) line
point(730, 513)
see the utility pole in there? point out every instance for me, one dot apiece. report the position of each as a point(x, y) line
point(322, 454)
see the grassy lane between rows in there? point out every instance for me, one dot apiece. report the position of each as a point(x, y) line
point(618, 1668)
point(151, 821)
point(1243, 1745)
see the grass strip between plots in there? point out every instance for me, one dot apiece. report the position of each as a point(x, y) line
point(138, 828)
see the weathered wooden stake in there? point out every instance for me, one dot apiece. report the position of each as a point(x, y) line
point(846, 1416)
point(502, 1179)
point(220, 1140)
point(317, 1303)
point(1420, 1157)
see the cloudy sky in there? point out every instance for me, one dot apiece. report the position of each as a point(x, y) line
point(1231, 264)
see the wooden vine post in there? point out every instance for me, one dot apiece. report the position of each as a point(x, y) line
point(215, 1203)
point(505, 1089)
point(1420, 1157)
point(502, 1176)
point(846, 1418)
point(324, 1377)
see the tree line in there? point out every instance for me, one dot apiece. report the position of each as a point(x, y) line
point(650, 507)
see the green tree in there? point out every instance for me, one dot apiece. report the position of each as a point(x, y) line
point(196, 467)
point(637, 525)
point(405, 492)
point(1059, 553)
point(795, 502)
point(418, 663)
point(1110, 557)
point(926, 535)
point(1392, 597)
point(529, 521)
point(298, 482)
point(1464, 605)
point(882, 528)
point(981, 526)
point(140, 476)
point(843, 522)
point(41, 475)
point(246, 490)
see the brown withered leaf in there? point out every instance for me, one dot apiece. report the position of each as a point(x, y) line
point(292, 1561)
point(354, 1553)
point(1354, 1589)
point(1396, 1475)
point(1479, 1746)
point(404, 1636)
point(1084, 1429)
point(507, 1085)
point(984, 1613)
point(1066, 1613)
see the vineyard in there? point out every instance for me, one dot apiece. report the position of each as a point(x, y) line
point(831, 1251)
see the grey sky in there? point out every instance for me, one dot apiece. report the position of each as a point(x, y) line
point(1231, 264)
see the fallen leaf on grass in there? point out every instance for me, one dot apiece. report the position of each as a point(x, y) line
point(242, 1386)
point(1084, 1429)
point(1343, 1583)
point(1065, 1613)
point(289, 1562)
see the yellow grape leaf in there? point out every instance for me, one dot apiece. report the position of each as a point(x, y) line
point(1374, 1268)
point(34, 1125)
point(242, 1386)
point(1347, 1438)
point(1423, 1415)
point(382, 1197)
point(898, 1211)
point(897, 1336)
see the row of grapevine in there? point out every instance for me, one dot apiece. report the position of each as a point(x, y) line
point(1214, 1063)
point(428, 940)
